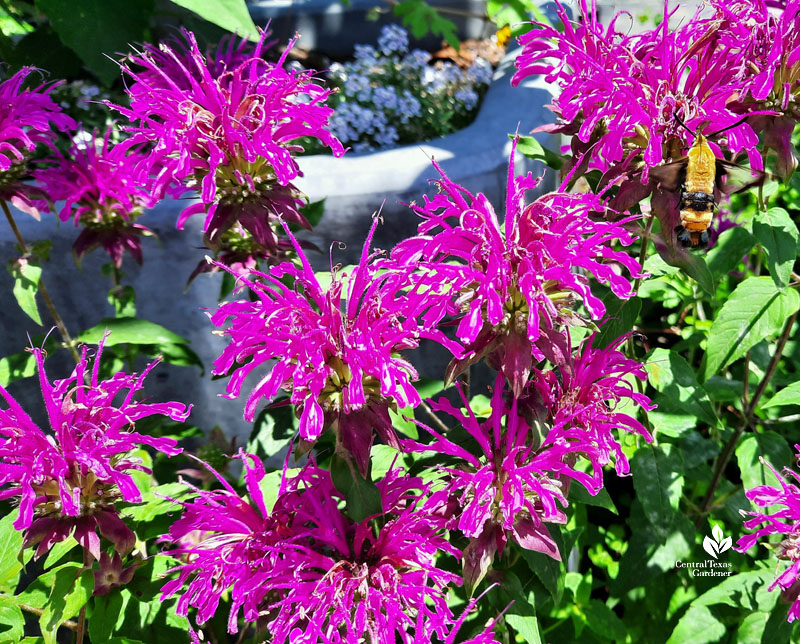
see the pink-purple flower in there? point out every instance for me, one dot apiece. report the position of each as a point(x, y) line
point(28, 118)
point(105, 189)
point(228, 133)
point(335, 350)
point(68, 480)
point(515, 485)
point(783, 520)
point(307, 571)
point(620, 93)
point(515, 284)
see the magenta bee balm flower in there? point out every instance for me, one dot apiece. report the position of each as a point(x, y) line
point(226, 132)
point(783, 521)
point(105, 189)
point(28, 117)
point(336, 350)
point(515, 284)
point(309, 573)
point(69, 479)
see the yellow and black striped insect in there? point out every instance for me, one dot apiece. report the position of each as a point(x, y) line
point(697, 175)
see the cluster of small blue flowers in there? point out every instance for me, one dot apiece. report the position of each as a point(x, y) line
point(391, 85)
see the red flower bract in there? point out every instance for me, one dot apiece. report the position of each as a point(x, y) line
point(69, 479)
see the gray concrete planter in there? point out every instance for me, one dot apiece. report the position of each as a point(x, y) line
point(355, 186)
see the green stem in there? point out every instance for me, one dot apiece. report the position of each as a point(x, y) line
point(59, 322)
point(727, 451)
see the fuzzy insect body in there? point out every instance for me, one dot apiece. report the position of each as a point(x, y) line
point(697, 195)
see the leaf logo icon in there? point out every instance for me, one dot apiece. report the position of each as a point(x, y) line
point(720, 543)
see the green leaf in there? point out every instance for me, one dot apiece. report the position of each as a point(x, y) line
point(421, 18)
point(97, 29)
point(658, 482)
point(697, 626)
point(621, 315)
point(751, 630)
point(270, 485)
point(756, 310)
point(16, 366)
point(362, 497)
point(130, 331)
point(692, 265)
point(532, 149)
point(676, 381)
point(69, 591)
point(106, 611)
point(604, 621)
point(778, 236)
point(26, 276)
point(313, 212)
point(10, 547)
point(123, 299)
point(272, 430)
point(548, 570)
point(768, 445)
point(180, 354)
point(521, 616)
point(732, 245)
point(789, 395)
point(382, 457)
point(59, 550)
point(12, 621)
point(157, 501)
point(602, 499)
point(231, 15)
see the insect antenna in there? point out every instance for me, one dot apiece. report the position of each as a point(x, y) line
point(725, 129)
point(686, 127)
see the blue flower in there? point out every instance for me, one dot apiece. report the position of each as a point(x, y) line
point(393, 39)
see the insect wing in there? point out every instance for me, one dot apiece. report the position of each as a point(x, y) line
point(733, 178)
point(669, 176)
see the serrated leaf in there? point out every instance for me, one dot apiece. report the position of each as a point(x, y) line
point(421, 18)
point(106, 610)
point(231, 15)
point(10, 546)
point(778, 236)
point(676, 381)
point(732, 245)
point(602, 620)
point(26, 284)
point(12, 621)
point(621, 315)
point(692, 265)
point(548, 570)
point(658, 482)
point(69, 591)
point(789, 395)
point(697, 626)
point(756, 310)
point(602, 499)
point(130, 331)
point(97, 30)
point(59, 550)
point(768, 445)
point(362, 497)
